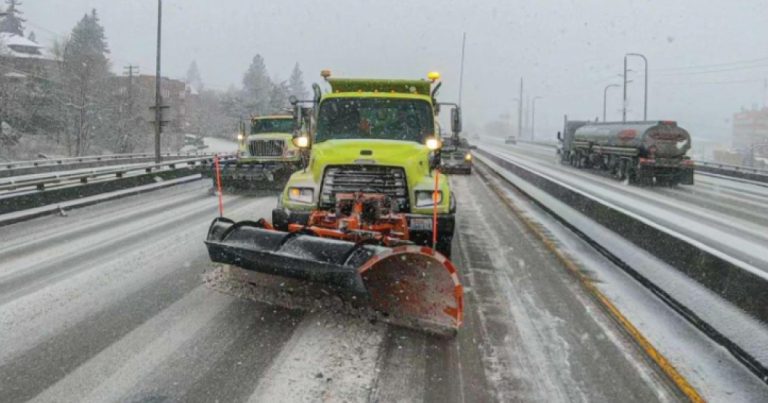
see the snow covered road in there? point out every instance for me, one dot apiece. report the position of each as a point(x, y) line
point(109, 304)
point(729, 216)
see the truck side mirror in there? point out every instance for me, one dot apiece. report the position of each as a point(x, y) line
point(456, 120)
point(297, 119)
point(317, 93)
point(559, 136)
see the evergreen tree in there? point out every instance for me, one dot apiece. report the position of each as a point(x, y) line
point(85, 70)
point(193, 77)
point(12, 22)
point(32, 37)
point(296, 85)
point(278, 97)
point(256, 87)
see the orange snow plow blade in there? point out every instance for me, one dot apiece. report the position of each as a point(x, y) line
point(417, 286)
point(410, 285)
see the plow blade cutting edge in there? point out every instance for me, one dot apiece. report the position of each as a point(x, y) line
point(412, 285)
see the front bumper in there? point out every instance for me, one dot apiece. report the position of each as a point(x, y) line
point(419, 225)
point(257, 171)
point(457, 168)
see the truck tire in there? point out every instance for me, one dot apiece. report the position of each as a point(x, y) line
point(444, 245)
point(280, 219)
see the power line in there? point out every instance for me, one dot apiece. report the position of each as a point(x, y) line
point(716, 65)
point(759, 80)
point(724, 70)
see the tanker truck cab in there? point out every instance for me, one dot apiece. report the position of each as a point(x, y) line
point(379, 137)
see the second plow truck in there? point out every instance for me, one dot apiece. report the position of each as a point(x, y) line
point(643, 153)
point(266, 156)
point(369, 217)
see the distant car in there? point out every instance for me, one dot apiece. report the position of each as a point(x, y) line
point(510, 140)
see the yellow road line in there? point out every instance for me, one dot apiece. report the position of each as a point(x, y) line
point(669, 370)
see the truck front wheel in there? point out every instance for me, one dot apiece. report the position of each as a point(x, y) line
point(444, 245)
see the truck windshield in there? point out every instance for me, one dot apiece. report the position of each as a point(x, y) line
point(282, 125)
point(374, 118)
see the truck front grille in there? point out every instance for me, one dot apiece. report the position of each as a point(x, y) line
point(390, 181)
point(266, 148)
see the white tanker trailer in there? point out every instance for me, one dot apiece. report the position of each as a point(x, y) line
point(645, 153)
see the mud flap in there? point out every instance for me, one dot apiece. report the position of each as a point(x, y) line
point(412, 286)
point(686, 176)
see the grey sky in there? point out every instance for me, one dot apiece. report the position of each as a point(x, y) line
point(566, 50)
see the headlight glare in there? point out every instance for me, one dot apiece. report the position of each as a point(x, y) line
point(424, 198)
point(433, 143)
point(302, 195)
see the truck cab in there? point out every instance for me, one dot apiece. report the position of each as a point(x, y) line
point(266, 156)
point(374, 136)
point(269, 139)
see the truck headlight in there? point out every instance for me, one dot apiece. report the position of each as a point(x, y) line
point(290, 153)
point(301, 141)
point(468, 157)
point(240, 137)
point(424, 198)
point(303, 195)
point(432, 143)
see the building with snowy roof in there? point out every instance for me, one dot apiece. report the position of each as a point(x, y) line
point(20, 56)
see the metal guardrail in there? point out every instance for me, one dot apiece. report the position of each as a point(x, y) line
point(729, 167)
point(70, 160)
point(40, 182)
point(19, 168)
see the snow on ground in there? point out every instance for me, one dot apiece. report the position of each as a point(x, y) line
point(218, 145)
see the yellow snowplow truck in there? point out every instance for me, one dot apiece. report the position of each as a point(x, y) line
point(266, 156)
point(369, 214)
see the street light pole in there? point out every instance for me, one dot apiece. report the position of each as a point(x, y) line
point(533, 117)
point(624, 101)
point(461, 75)
point(605, 96)
point(520, 112)
point(645, 82)
point(158, 95)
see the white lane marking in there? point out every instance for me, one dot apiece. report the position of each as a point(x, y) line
point(114, 372)
point(330, 357)
point(114, 236)
point(60, 304)
point(404, 379)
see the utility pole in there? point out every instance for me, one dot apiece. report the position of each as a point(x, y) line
point(123, 132)
point(158, 77)
point(605, 96)
point(520, 112)
point(129, 71)
point(461, 75)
